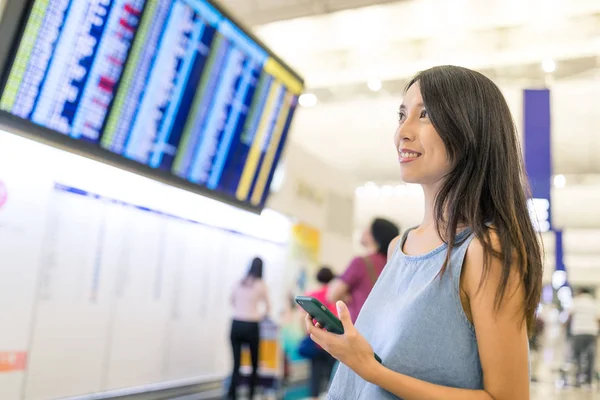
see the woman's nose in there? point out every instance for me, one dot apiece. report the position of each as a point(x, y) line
point(406, 132)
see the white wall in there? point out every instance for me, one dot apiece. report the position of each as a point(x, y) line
point(110, 280)
point(321, 196)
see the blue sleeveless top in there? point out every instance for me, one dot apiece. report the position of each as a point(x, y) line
point(415, 322)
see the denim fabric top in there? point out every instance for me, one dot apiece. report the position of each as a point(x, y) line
point(415, 322)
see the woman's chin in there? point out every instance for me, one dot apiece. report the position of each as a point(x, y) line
point(409, 178)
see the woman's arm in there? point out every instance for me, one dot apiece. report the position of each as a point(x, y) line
point(501, 333)
point(341, 288)
point(414, 389)
point(266, 299)
point(501, 336)
point(337, 290)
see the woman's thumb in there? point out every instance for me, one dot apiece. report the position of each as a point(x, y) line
point(343, 314)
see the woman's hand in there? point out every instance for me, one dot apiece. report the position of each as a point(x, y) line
point(351, 348)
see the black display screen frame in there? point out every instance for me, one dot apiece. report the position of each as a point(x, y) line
point(12, 26)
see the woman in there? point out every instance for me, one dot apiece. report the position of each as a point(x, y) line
point(247, 299)
point(450, 313)
point(322, 363)
point(362, 273)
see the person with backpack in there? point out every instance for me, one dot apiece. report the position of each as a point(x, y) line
point(355, 284)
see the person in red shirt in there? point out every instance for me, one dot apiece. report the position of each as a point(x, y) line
point(321, 365)
point(355, 284)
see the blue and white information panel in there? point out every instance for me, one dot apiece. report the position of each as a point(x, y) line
point(538, 157)
point(171, 84)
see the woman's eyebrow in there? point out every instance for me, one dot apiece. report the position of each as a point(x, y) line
point(403, 107)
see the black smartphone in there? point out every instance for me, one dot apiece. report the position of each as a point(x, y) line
point(323, 316)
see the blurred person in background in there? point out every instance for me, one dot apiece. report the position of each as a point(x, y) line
point(355, 284)
point(451, 314)
point(250, 301)
point(321, 363)
point(584, 317)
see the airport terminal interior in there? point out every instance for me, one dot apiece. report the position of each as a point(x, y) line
point(173, 173)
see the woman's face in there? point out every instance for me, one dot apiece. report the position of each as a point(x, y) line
point(367, 239)
point(421, 152)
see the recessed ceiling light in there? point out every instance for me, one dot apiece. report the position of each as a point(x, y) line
point(307, 100)
point(549, 65)
point(374, 84)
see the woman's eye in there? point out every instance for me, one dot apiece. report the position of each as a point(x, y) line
point(401, 116)
point(424, 114)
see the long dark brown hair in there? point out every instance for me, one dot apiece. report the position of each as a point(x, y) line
point(383, 232)
point(255, 272)
point(486, 189)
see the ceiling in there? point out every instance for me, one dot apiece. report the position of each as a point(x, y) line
point(351, 128)
point(257, 12)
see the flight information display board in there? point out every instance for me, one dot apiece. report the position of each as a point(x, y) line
point(174, 85)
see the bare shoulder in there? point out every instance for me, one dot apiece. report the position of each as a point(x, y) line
point(476, 253)
point(393, 246)
point(479, 280)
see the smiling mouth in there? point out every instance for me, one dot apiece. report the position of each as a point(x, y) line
point(408, 156)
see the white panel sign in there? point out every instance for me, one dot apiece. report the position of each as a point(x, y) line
point(111, 281)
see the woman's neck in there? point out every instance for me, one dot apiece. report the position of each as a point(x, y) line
point(372, 249)
point(429, 220)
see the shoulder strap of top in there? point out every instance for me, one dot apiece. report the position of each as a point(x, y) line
point(370, 270)
point(457, 261)
point(403, 240)
point(463, 240)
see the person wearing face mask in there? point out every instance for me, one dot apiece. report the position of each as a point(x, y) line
point(450, 315)
point(355, 284)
